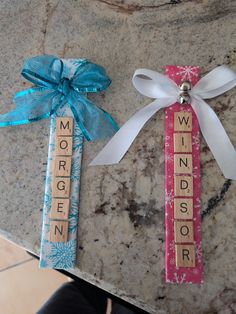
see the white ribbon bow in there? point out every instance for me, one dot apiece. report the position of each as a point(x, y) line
point(166, 92)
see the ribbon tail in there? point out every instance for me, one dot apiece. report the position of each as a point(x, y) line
point(117, 147)
point(31, 105)
point(216, 138)
point(94, 122)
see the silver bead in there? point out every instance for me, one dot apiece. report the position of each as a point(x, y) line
point(185, 86)
point(184, 98)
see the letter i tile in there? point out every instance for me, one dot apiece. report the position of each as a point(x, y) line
point(183, 260)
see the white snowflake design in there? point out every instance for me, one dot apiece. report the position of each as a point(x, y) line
point(172, 246)
point(198, 251)
point(63, 254)
point(197, 203)
point(169, 157)
point(187, 72)
point(195, 173)
point(196, 139)
point(169, 197)
point(179, 278)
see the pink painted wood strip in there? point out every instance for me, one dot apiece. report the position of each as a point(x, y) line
point(182, 274)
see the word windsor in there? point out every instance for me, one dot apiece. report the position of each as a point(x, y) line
point(183, 190)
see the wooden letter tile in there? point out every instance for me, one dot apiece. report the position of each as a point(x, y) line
point(61, 187)
point(185, 255)
point(183, 185)
point(183, 208)
point(183, 231)
point(183, 163)
point(182, 142)
point(64, 126)
point(64, 146)
point(58, 231)
point(60, 208)
point(183, 121)
point(62, 166)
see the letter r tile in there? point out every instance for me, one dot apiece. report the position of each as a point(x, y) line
point(185, 255)
point(62, 166)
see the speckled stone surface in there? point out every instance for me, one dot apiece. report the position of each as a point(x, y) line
point(121, 226)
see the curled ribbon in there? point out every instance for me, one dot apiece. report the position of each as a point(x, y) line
point(166, 93)
point(59, 82)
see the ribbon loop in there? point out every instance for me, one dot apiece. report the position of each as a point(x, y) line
point(166, 92)
point(60, 82)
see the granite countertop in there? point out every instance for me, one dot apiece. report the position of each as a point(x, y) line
point(121, 225)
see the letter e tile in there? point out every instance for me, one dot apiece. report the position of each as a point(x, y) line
point(60, 208)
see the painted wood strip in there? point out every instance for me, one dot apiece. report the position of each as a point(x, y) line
point(183, 261)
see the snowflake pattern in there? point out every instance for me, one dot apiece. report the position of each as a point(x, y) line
point(187, 72)
point(169, 157)
point(179, 278)
point(169, 197)
point(198, 249)
point(62, 255)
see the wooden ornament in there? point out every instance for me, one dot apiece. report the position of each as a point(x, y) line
point(182, 143)
point(183, 208)
point(183, 121)
point(58, 231)
point(185, 255)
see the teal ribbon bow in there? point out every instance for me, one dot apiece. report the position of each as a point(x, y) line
point(57, 83)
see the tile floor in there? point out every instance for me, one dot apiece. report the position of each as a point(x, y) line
point(22, 281)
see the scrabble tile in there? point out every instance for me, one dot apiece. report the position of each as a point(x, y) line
point(183, 231)
point(183, 208)
point(61, 187)
point(183, 121)
point(62, 166)
point(64, 126)
point(183, 163)
point(63, 146)
point(58, 231)
point(182, 142)
point(183, 185)
point(185, 255)
point(60, 208)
